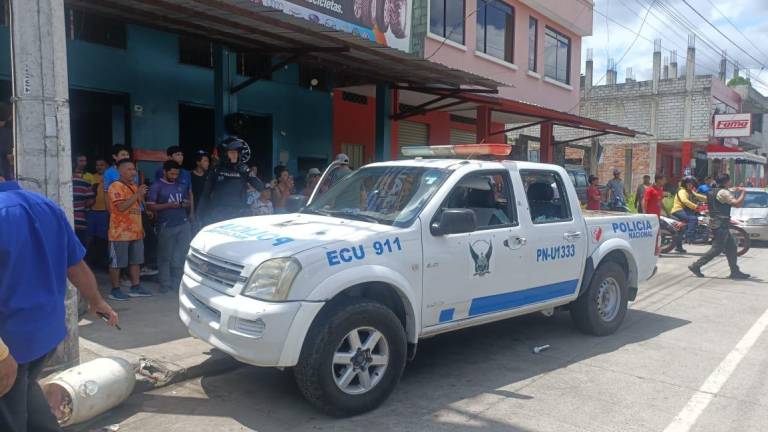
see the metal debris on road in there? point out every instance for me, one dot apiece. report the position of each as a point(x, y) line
point(540, 348)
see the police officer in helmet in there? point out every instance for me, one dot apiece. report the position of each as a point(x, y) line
point(721, 200)
point(224, 191)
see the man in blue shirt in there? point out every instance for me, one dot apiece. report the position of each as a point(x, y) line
point(111, 175)
point(176, 154)
point(170, 200)
point(38, 253)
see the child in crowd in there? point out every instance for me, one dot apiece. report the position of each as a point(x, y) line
point(263, 204)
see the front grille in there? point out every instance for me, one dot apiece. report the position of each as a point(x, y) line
point(215, 269)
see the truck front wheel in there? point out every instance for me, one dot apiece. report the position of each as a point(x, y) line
point(352, 359)
point(601, 310)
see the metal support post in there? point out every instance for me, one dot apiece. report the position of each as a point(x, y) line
point(383, 145)
point(41, 123)
point(225, 101)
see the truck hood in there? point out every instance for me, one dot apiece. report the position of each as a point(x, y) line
point(252, 240)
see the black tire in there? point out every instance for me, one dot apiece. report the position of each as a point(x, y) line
point(743, 242)
point(314, 372)
point(667, 240)
point(585, 312)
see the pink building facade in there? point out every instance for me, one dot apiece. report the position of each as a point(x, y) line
point(530, 61)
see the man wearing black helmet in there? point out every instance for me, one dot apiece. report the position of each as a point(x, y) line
point(721, 200)
point(224, 194)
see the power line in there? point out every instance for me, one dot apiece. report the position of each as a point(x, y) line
point(737, 29)
point(723, 34)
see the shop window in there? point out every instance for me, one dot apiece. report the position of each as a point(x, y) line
point(314, 78)
point(94, 28)
point(195, 51)
point(446, 19)
point(533, 43)
point(254, 65)
point(354, 98)
point(461, 119)
point(557, 56)
point(496, 29)
point(757, 123)
point(5, 10)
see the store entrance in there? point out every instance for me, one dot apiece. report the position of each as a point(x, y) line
point(98, 121)
point(196, 131)
point(257, 132)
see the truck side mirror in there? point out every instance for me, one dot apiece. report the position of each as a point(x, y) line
point(294, 203)
point(454, 221)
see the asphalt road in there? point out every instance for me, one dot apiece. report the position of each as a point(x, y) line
point(691, 355)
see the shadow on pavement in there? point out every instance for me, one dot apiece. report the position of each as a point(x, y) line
point(492, 361)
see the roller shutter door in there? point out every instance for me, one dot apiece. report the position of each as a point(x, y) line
point(460, 136)
point(412, 133)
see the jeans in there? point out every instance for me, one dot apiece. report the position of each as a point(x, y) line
point(693, 222)
point(723, 242)
point(172, 245)
point(25, 408)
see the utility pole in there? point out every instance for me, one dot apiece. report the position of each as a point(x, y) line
point(41, 123)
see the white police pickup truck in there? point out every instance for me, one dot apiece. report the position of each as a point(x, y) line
point(396, 252)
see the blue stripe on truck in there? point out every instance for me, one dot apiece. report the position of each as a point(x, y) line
point(516, 299)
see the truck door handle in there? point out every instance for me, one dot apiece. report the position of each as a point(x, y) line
point(515, 242)
point(572, 235)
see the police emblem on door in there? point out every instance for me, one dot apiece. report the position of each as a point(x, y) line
point(481, 251)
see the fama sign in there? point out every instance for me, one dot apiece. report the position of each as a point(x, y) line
point(733, 125)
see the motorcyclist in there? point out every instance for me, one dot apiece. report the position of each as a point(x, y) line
point(685, 209)
point(224, 193)
point(720, 200)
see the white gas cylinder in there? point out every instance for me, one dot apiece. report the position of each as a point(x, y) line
point(85, 391)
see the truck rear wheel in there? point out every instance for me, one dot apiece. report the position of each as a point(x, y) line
point(352, 360)
point(601, 310)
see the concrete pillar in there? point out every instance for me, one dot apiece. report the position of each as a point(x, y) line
point(383, 143)
point(610, 77)
point(547, 142)
point(588, 77)
point(483, 124)
point(673, 70)
point(656, 72)
point(224, 103)
point(43, 148)
point(690, 68)
point(723, 69)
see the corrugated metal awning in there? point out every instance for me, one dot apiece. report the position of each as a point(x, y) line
point(245, 24)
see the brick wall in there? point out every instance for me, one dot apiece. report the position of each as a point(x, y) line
point(614, 157)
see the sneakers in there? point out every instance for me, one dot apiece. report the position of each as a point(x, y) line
point(148, 271)
point(681, 250)
point(738, 275)
point(695, 270)
point(118, 295)
point(139, 291)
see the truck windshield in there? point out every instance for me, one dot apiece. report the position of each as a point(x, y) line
point(392, 195)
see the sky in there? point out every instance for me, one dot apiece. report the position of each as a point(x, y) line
point(613, 36)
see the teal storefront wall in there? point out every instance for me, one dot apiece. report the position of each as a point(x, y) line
point(149, 72)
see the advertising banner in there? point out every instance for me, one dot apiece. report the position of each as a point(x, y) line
point(387, 22)
point(733, 125)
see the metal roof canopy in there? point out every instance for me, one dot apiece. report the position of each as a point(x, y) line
point(504, 111)
point(245, 25)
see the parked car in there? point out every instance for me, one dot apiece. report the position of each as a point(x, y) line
point(579, 177)
point(343, 291)
point(753, 216)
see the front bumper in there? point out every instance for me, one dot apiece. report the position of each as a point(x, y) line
point(253, 331)
point(756, 232)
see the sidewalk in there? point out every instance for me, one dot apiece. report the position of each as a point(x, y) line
point(152, 334)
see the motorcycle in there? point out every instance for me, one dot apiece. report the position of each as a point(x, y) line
point(670, 228)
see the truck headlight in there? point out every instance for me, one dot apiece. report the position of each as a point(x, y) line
point(272, 280)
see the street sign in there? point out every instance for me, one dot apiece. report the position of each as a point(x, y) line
point(733, 125)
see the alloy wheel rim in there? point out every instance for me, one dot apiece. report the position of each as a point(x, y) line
point(608, 299)
point(360, 360)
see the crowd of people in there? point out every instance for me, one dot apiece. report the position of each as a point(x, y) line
point(138, 227)
point(688, 202)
